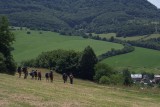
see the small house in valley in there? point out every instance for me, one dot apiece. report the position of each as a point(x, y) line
point(156, 79)
point(136, 77)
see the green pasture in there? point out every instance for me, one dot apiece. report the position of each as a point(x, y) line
point(152, 36)
point(132, 38)
point(17, 92)
point(109, 35)
point(140, 60)
point(29, 46)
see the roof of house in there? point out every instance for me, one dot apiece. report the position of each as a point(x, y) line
point(136, 75)
point(156, 76)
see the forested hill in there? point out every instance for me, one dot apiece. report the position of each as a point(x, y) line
point(97, 16)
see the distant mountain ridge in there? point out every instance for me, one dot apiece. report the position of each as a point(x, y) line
point(97, 16)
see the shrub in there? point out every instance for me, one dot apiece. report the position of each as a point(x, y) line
point(102, 69)
point(28, 32)
point(159, 85)
point(104, 80)
point(116, 79)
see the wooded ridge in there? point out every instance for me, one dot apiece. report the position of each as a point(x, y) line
point(125, 17)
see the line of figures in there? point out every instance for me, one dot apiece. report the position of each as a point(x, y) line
point(38, 75)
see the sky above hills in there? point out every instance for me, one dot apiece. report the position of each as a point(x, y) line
point(155, 2)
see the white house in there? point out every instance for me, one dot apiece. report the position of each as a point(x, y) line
point(156, 76)
point(136, 77)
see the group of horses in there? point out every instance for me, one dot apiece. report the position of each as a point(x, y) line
point(38, 75)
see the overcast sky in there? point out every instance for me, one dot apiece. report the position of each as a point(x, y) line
point(155, 2)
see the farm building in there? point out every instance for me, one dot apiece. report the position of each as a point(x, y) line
point(136, 77)
point(156, 78)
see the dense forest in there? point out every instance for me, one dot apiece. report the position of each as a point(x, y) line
point(76, 17)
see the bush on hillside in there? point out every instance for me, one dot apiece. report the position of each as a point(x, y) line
point(102, 69)
point(159, 85)
point(28, 32)
point(116, 79)
point(104, 80)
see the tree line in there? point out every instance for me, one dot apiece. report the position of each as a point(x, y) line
point(113, 52)
point(153, 43)
point(127, 47)
point(80, 64)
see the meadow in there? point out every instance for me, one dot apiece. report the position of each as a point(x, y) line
point(141, 60)
point(132, 38)
point(28, 46)
point(17, 92)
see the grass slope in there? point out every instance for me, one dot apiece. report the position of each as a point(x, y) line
point(17, 92)
point(29, 46)
point(140, 60)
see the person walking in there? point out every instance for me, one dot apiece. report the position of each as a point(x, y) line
point(51, 76)
point(64, 76)
point(39, 75)
point(47, 76)
point(19, 70)
point(71, 78)
point(25, 71)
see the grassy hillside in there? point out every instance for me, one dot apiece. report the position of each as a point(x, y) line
point(140, 60)
point(17, 92)
point(29, 46)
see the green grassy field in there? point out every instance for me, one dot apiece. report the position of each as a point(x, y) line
point(109, 35)
point(138, 61)
point(133, 38)
point(29, 46)
point(152, 36)
point(17, 92)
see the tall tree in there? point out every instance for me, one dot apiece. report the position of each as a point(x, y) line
point(6, 40)
point(87, 63)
